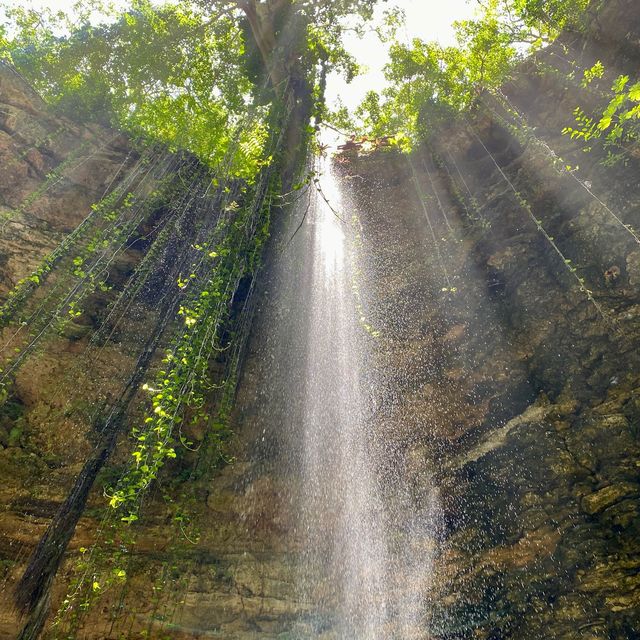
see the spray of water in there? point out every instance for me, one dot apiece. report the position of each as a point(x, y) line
point(347, 552)
point(363, 568)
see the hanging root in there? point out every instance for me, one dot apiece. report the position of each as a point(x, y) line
point(35, 624)
point(32, 592)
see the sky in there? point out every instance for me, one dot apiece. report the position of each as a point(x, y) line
point(426, 19)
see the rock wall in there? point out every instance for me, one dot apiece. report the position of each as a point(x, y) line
point(186, 575)
point(55, 173)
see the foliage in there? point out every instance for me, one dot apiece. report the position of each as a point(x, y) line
point(430, 84)
point(168, 73)
point(618, 125)
point(550, 17)
point(179, 392)
point(186, 72)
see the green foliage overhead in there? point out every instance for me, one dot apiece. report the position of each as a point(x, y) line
point(617, 126)
point(550, 17)
point(192, 74)
point(430, 83)
point(170, 73)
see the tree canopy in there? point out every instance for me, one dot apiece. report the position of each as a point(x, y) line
point(202, 75)
point(193, 74)
point(429, 83)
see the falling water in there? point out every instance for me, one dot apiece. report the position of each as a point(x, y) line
point(342, 510)
point(363, 566)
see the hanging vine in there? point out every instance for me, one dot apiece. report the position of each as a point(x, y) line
point(581, 283)
point(523, 132)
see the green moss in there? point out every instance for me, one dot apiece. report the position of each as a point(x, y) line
point(15, 436)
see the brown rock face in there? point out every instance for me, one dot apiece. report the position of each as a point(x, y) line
point(53, 171)
point(520, 393)
point(57, 377)
point(520, 397)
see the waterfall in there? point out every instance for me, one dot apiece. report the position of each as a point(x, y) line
point(362, 565)
point(342, 507)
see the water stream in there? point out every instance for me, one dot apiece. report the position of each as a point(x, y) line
point(342, 508)
point(364, 565)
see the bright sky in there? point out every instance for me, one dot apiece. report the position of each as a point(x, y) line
point(426, 19)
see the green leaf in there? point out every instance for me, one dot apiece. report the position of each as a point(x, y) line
point(620, 84)
point(605, 123)
point(634, 92)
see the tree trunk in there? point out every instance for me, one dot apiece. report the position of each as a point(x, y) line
point(279, 32)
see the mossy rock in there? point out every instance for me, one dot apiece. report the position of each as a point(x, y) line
point(15, 436)
point(74, 331)
point(608, 496)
